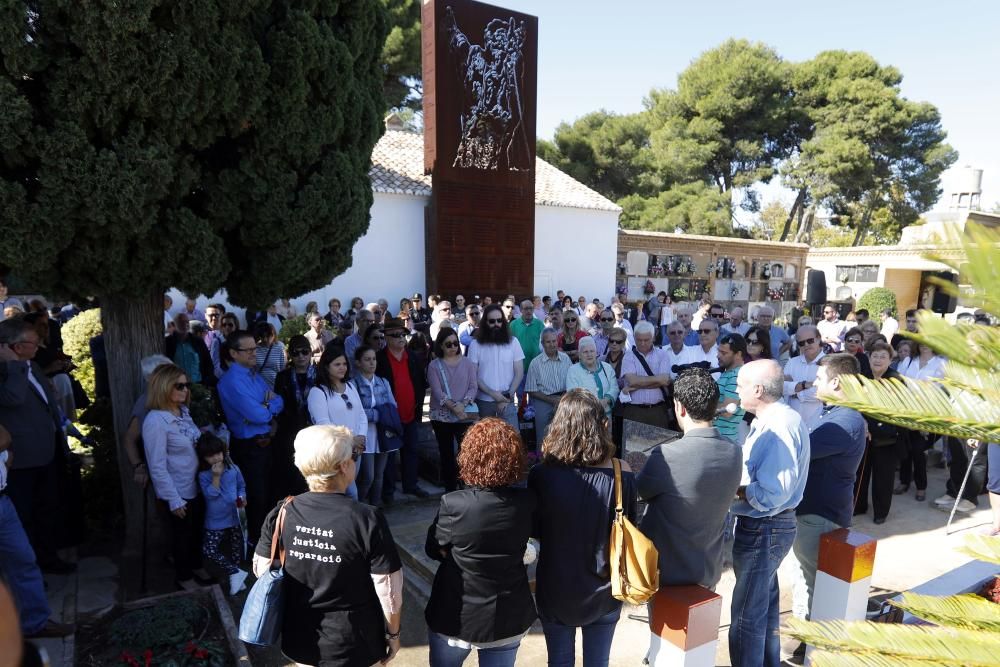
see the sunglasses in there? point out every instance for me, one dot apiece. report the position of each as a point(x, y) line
point(449, 344)
point(612, 341)
point(569, 319)
point(396, 335)
point(752, 340)
point(182, 386)
point(301, 353)
point(607, 319)
point(675, 333)
point(807, 341)
point(493, 321)
point(346, 401)
point(718, 316)
point(853, 340)
point(474, 313)
point(706, 331)
point(377, 337)
point(507, 307)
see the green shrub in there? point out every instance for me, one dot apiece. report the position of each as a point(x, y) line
point(76, 334)
point(293, 326)
point(876, 300)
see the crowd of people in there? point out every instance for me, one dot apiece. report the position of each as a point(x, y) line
point(321, 431)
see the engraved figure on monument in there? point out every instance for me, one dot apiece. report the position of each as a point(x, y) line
point(493, 134)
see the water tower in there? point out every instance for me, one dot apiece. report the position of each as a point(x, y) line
point(968, 190)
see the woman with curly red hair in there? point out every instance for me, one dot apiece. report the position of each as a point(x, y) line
point(480, 598)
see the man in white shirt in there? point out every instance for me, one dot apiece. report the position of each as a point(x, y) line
point(800, 374)
point(890, 325)
point(832, 328)
point(736, 324)
point(644, 392)
point(678, 354)
point(500, 360)
point(707, 350)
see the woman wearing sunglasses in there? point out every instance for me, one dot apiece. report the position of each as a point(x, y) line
point(169, 436)
point(454, 384)
point(571, 334)
point(334, 401)
point(292, 385)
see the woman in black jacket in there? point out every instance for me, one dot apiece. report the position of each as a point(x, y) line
point(878, 466)
point(480, 598)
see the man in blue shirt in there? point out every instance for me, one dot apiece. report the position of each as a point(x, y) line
point(250, 408)
point(776, 465)
point(836, 446)
point(781, 342)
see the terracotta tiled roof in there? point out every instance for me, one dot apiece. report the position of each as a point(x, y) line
point(398, 168)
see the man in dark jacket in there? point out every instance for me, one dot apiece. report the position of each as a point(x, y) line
point(190, 353)
point(408, 380)
point(689, 485)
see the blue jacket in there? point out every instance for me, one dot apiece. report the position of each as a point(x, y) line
point(836, 446)
point(220, 503)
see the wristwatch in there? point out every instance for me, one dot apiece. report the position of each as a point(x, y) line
point(390, 636)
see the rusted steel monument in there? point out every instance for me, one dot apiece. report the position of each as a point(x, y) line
point(480, 83)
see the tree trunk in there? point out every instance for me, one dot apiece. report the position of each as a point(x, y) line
point(799, 200)
point(804, 232)
point(133, 329)
point(859, 236)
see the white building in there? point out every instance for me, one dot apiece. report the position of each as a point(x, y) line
point(576, 234)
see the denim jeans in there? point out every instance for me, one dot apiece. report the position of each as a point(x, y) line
point(560, 641)
point(759, 547)
point(810, 527)
point(371, 467)
point(489, 409)
point(20, 571)
point(443, 655)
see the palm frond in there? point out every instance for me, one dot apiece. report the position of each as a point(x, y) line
point(966, 344)
point(977, 381)
point(970, 612)
point(923, 406)
point(980, 268)
point(893, 645)
point(982, 547)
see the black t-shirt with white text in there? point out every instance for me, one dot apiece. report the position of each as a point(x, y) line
point(332, 545)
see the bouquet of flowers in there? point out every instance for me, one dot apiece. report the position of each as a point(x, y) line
point(776, 293)
point(655, 270)
point(649, 287)
point(680, 294)
point(621, 289)
point(734, 291)
point(710, 267)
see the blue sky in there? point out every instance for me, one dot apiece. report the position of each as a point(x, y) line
point(609, 55)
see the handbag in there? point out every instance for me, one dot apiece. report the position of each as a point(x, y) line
point(471, 410)
point(261, 620)
point(635, 575)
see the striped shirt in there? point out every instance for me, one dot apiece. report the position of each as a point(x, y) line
point(727, 424)
point(546, 375)
point(659, 364)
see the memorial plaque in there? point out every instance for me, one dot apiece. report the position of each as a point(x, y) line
point(480, 83)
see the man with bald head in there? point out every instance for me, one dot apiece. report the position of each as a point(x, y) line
point(800, 374)
point(736, 325)
point(776, 466)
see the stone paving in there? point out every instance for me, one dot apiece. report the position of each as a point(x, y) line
point(913, 547)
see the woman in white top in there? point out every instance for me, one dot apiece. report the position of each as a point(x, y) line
point(376, 397)
point(923, 364)
point(168, 437)
point(334, 401)
point(594, 375)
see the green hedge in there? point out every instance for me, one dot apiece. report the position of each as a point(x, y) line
point(876, 300)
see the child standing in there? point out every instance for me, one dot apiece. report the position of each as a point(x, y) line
point(224, 490)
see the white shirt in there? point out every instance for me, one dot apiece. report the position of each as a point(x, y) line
point(38, 385)
point(805, 402)
point(698, 354)
point(681, 358)
point(890, 327)
point(833, 330)
point(740, 329)
point(328, 407)
point(666, 314)
point(934, 368)
point(496, 365)
point(274, 321)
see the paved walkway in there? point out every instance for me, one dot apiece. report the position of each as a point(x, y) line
point(913, 547)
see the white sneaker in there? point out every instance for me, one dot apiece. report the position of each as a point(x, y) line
point(965, 506)
point(946, 499)
point(237, 582)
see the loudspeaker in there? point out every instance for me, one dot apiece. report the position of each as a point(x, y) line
point(816, 287)
point(941, 302)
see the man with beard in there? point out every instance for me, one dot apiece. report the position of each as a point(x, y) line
point(500, 360)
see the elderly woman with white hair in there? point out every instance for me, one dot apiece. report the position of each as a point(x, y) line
point(593, 375)
point(343, 577)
